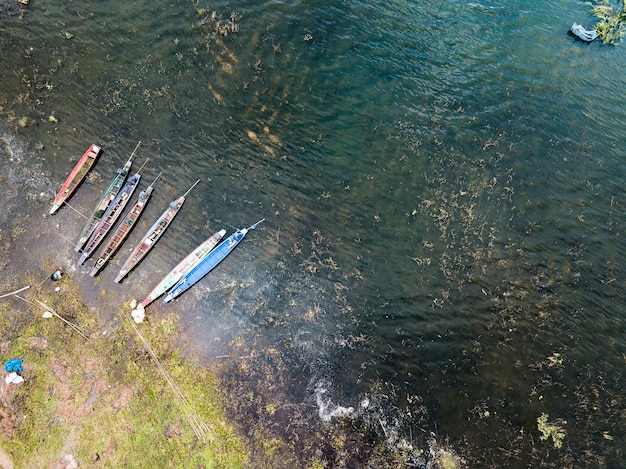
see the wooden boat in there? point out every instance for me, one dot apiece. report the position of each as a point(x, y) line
point(124, 229)
point(189, 262)
point(76, 176)
point(208, 263)
point(107, 197)
point(110, 217)
point(152, 235)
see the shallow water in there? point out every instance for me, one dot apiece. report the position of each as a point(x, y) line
point(443, 193)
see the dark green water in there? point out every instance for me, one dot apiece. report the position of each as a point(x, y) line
point(443, 187)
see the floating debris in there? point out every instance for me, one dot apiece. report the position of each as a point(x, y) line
point(587, 35)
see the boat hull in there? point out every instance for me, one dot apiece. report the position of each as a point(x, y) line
point(205, 266)
point(189, 262)
point(122, 231)
point(107, 197)
point(110, 217)
point(77, 175)
point(150, 238)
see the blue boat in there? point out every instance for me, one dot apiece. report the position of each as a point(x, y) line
point(208, 263)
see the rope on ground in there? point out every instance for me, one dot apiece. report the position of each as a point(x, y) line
point(199, 426)
point(45, 307)
point(77, 211)
point(15, 292)
point(55, 314)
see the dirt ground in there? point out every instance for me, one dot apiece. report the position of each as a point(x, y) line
point(5, 460)
point(8, 419)
point(70, 408)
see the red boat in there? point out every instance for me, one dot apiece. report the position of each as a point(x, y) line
point(76, 176)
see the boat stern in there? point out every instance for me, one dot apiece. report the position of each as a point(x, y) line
point(54, 209)
point(120, 276)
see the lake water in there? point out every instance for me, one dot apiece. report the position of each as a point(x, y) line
point(442, 259)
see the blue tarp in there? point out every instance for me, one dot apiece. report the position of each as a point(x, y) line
point(13, 365)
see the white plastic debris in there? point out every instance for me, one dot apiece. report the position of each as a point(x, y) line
point(138, 315)
point(584, 34)
point(47, 315)
point(14, 378)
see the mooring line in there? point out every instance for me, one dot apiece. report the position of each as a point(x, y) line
point(15, 292)
point(198, 425)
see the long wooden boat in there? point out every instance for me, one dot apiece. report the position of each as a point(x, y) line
point(153, 235)
point(110, 217)
point(106, 198)
point(189, 262)
point(208, 263)
point(124, 229)
point(76, 176)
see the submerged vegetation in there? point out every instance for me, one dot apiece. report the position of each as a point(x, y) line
point(491, 294)
point(611, 19)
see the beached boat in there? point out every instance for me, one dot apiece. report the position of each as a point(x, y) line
point(124, 229)
point(76, 176)
point(110, 217)
point(189, 262)
point(106, 198)
point(208, 263)
point(152, 235)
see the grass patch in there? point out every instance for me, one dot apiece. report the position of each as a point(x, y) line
point(103, 400)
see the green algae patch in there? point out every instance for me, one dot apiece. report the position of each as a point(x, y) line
point(98, 398)
point(550, 430)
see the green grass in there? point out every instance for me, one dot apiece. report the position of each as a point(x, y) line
point(135, 419)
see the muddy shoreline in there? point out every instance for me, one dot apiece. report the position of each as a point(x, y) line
point(253, 380)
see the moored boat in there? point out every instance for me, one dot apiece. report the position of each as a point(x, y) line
point(110, 217)
point(153, 235)
point(189, 262)
point(76, 176)
point(208, 263)
point(106, 198)
point(124, 229)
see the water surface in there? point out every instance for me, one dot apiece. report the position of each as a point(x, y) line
point(441, 261)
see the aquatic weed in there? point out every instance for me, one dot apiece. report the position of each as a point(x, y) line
point(610, 26)
point(550, 430)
